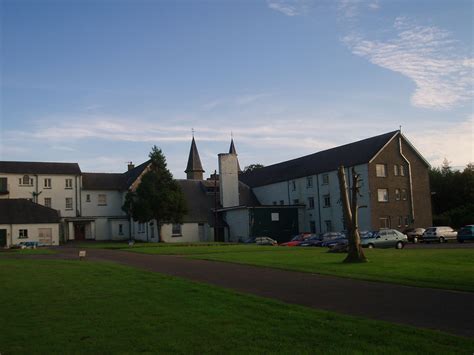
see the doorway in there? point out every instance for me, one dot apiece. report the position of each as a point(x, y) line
point(3, 238)
point(79, 231)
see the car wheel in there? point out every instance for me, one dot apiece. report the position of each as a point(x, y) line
point(370, 246)
point(441, 239)
point(415, 239)
point(399, 245)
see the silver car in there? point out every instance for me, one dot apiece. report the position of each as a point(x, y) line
point(439, 234)
point(384, 238)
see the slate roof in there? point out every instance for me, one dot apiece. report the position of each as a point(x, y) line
point(22, 211)
point(201, 203)
point(194, 162)
point(328, 160)
point(112, 181)
point(25, 167)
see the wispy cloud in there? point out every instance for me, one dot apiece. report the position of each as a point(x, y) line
point(241, 100)
point(426, 55)
point(289, 7)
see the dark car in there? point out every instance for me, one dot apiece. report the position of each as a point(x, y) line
point(414, 234)
point(466, 233)
point(312, 241)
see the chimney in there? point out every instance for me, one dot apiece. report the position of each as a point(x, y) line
point(130, 166)
point(228, 180)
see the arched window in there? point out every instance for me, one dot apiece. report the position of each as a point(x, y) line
point(26, 180)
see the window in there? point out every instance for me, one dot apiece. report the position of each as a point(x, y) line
point(69, 203)
point(120, 229)
point(381, 170)
point(47, 183)
point(395, 170)
point(407, 221)
point(3, 184)
point(26, 181)
point(102, 200)
point(400, 221)
point(68, 183)
point(382, 195)
point(23, 233)
point(312, 226)
point(327, 201)
point(404, 194)
point(293, 185)
point(310, 203)
point(88, 198)
point(402, 170)
point(141, 227)
point(176, 230)
point(275, 217)
point(309, 181)
point(397, 194)
point(328, 225)
point(296, 201)
point(325, 179)
point(384, 222)
point(47, 202)
point(282, 202)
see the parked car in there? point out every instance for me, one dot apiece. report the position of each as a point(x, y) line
point(28, 245)
point(414, 234)
point(265, 241)
point(297, 239)
point(331, 242)
point(439, 234)
point(312, 241)
point(384, 238)
point(466, 233)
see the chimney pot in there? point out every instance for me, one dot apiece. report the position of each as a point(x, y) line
point(130, 166)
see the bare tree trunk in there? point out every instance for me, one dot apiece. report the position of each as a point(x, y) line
point(355, 254)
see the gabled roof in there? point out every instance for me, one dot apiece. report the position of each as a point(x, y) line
point(22, 211)
point(328, 160)
point(112, 181)
point(25, 167)
point(194, 161)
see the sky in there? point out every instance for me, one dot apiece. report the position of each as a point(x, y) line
point(99, 82)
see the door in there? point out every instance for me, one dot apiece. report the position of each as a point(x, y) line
point(3, 238)
point(45, 236)
point(79, 231)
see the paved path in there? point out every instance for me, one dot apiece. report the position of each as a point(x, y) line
point(449, 311)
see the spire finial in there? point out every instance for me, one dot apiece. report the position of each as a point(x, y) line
point(192, 132)
point(400, 128)
point(231, 135)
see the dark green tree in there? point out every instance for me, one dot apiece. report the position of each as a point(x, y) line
point(158, 196)
point(253, 167)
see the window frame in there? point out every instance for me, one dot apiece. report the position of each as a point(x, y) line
point(377, 166)
point(47, 183)
point(309, 182)
point(386, 194)
point(310, 203)
point(402, 170)
point(325, 179)
point(404, 194)
point(176, 230)
point(101, 199)
point(326, 200)
point(395, 170)
point(50, 202)
point(23, 233)
point(68, 183)
point(398, 195)
point(66, 203)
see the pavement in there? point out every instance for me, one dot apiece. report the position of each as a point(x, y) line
point(445, 310)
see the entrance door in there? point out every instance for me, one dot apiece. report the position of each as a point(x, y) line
point(45, 236)
point(79, 231)
point(3, 238)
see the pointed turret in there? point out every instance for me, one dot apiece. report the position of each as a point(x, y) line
point(233, 151)
point(194, 170)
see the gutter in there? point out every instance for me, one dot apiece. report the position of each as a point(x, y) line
point(412, 206)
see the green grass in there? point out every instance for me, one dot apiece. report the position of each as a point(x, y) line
point(26, 252)
point(438, 268)
point(69, 307)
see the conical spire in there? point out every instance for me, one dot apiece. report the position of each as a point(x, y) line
point(194, 168)
point(233, 151)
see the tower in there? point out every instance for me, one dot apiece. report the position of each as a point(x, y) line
point(233, 151)
point(194, 170)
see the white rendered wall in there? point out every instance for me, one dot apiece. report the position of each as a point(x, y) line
point(228, 180)
point(93, 209)
point(33, 232)
point(58, 191)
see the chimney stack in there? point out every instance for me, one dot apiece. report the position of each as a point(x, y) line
point(228, 180)
point(130, 166)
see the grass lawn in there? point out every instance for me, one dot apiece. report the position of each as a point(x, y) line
point(26, 251)
point(52, 306)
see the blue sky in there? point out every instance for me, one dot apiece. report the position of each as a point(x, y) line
point(101, 82)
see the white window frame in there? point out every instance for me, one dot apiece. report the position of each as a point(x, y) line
point(68, 184)
point(309, 182)
point(47, 183)
point(102, 200)
point(382, 195)
point(325, 179)
point(176, 230)
point(68, 203)
point(25, 180)
point(23, 234)
point(49, 203)
point(326, 200)
point(381, 170)
point(310, 203)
